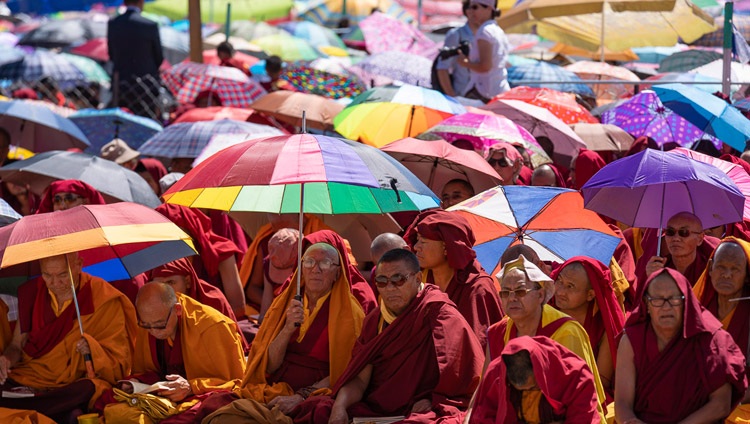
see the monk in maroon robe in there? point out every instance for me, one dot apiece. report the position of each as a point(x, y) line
point(416, 356)
point(548, 383)
point(674, 361)
point(443, 244)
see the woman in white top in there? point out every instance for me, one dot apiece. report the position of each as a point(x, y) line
point(488, 53)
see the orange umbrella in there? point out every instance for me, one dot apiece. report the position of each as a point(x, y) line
point(562, 105)
point(288, 106)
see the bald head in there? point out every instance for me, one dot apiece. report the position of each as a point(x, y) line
point(544, 176)
point(728, 269)
point(155, 293)
point(513, 252)
point(688, 218)
point(385, 242)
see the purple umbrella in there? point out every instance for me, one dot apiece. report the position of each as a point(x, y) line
point(384, 68)
point(645, 115)
point(648, 188)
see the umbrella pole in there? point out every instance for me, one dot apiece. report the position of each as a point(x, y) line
point(411, 121)
point(661, 213)
point(87, 357)
point(299, 242)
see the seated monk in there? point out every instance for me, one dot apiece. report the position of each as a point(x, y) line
point(583, 290)
point(443, 242)
point(278, 265)
point(303, 345)
point(674, 361)
point(47, 350)
point(381, 244)
point(191, 348)
point(727, 277)
point(417, 357)
point(525, 291)
point(536, 380)
point(688, 250)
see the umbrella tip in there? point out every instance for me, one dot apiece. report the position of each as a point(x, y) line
point(393, 186)
point(304, 122)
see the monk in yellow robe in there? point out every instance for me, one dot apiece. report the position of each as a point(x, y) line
point(47, 351)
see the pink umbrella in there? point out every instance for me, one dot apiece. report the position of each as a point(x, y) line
point(385, 33)
point(735, 172)
point(484, 130)
point(437, 162)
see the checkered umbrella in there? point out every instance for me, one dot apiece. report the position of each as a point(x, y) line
point(716, 38)
point(41, 63)
point(187, 140)
point(186, 80)
point(687, 60)
point(542, 71)
point(92, 70)
point(101, 126)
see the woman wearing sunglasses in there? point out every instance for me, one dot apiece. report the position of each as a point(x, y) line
point(487, 55)
point(65, 194)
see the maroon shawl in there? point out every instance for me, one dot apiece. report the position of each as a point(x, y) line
point(69, 186)
point(588, 163)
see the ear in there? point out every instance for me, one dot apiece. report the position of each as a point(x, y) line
point(590, 295)
point(178, 309)
point(189, 281)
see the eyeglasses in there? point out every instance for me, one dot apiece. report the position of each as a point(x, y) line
point(67, 198)
point(156, 327)
point(477, 6)
point(323, 264)
point(398, 280)
point(658, 302)
point(502, 162)
point(519, 293)
point(682, 232)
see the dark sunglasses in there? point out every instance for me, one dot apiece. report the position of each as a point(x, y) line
point(157, 327)
point(477, 6)
point(682, 232)
point(502, 162)
point(68, 198)
point(398, 280)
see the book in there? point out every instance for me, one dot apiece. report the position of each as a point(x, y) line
point(19, 392)
point(377, 420)
point(139, 387)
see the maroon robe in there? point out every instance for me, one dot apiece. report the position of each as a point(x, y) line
point(565, 380)
point(428, 352)
point(672, 384)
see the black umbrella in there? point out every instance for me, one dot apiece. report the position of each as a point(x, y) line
point(64, 33)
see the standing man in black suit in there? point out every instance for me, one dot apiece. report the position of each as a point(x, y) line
point(135, 50)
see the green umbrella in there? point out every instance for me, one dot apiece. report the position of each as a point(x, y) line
point(92, 70)
point(287, 47)
point(241, 9)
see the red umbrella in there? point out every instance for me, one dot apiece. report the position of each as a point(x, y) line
point(95, 48)
point(562, 105)
point(217, 113)
point(210, 58)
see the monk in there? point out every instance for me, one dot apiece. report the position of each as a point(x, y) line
point(674, 361)
point(278, 265)
point(726, 277)
point(289, 362)
point(65, 194)
point(506, 161)
point(525, 291)
point(455, 192)
point(584, 290)
point(417, 357)
point(688, 250)
point(47, 350)
point(381, 244)
point(190, 348)
point(584, 166)
point(536, 380)
point(443, 244)
point(546, 176)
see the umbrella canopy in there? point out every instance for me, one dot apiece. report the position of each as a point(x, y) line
point(686, 78)
point(187, 80)
point(604, 137)
point(90, 69)
point(330, 12)
point(174, 44)
point(101, 126)
point(187, 140)
point(709, 113)
point(8, 215)
point(315, 34)
point(114, 182)
point(609, 55)
point(288, 106)
point(246, 10)
point(385, 33)
point(116, 242)
point(210, 57)
point(437, 162)
point(545, 72)
point(655, 54)
point(645, 115)
point(540, 122)
point(339, 176)
point(716, 37)
point(308, 80)
point(603, 71)
point(646, 189)
point(550, 220)
point(41, 63)
point(39, 129)
point(64, 33)
point(737, 72)
point(562, 105)
point(386, 67)
point(217, 113)
point(385, 114)
point(288, 47)
point(686, 60)
point(250, 30)
point(222, 141)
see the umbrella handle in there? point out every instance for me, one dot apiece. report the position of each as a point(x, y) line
point(298, 297)
point(89, 361)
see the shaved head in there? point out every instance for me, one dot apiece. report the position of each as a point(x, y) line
point(513, 252)
point(544, 176)
point(385, 242)
point(155, 293)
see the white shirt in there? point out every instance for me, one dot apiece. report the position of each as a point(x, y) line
point(495, 81)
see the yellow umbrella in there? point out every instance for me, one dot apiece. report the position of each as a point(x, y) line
point(19, 153)
point(615, 24)
point(621, 56)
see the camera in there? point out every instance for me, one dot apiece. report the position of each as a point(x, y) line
point(448, 52)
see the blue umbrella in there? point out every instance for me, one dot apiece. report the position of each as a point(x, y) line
point(711, 114)
point(39, 129)
point(188, 139)
point(175, 44)
point(542, 71)
point(101, 126)
point(41, 63)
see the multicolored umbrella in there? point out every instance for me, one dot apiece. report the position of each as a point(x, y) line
point(39, 129)
point(542, 71)
point(315, 34)
point(562, 105)
point(40, 63)
point(288, 106)
point(603, 71)
point(330, 12)
point(187, 140)
point(384, 33)
point(222, 141)
point(604, 137)
point(101, 126)
point(313, 81)
point(550, 220)
point(385, 114)
point(288, 47)
point(187, 80)
point(386, 67)
point(92, 70)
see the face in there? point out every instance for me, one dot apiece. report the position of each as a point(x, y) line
point(453, 194)
point(667, 318)
point(530, 384)
point(679, 245)
point(181, 165)
point(55, 274)
point(519, 308)
point(573, 289)
point(431, 253)
point(16, 190)
point(728, 269)
point(503, 166)
point(397, 299)
point(222, 55)
point(478, 13)
point(319, 281)
point(717, 232)
point(63, 200)
point(158, 319)
point(179, 283)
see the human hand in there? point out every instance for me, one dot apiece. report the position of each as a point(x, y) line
point(125, 386)
point(462, 60)
point(286, 403)
point(177, 388)
point(338, 416)
point(294, 314)
point(82, 347)
point(655, 264)
point(422, 405)
point(5, 366)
